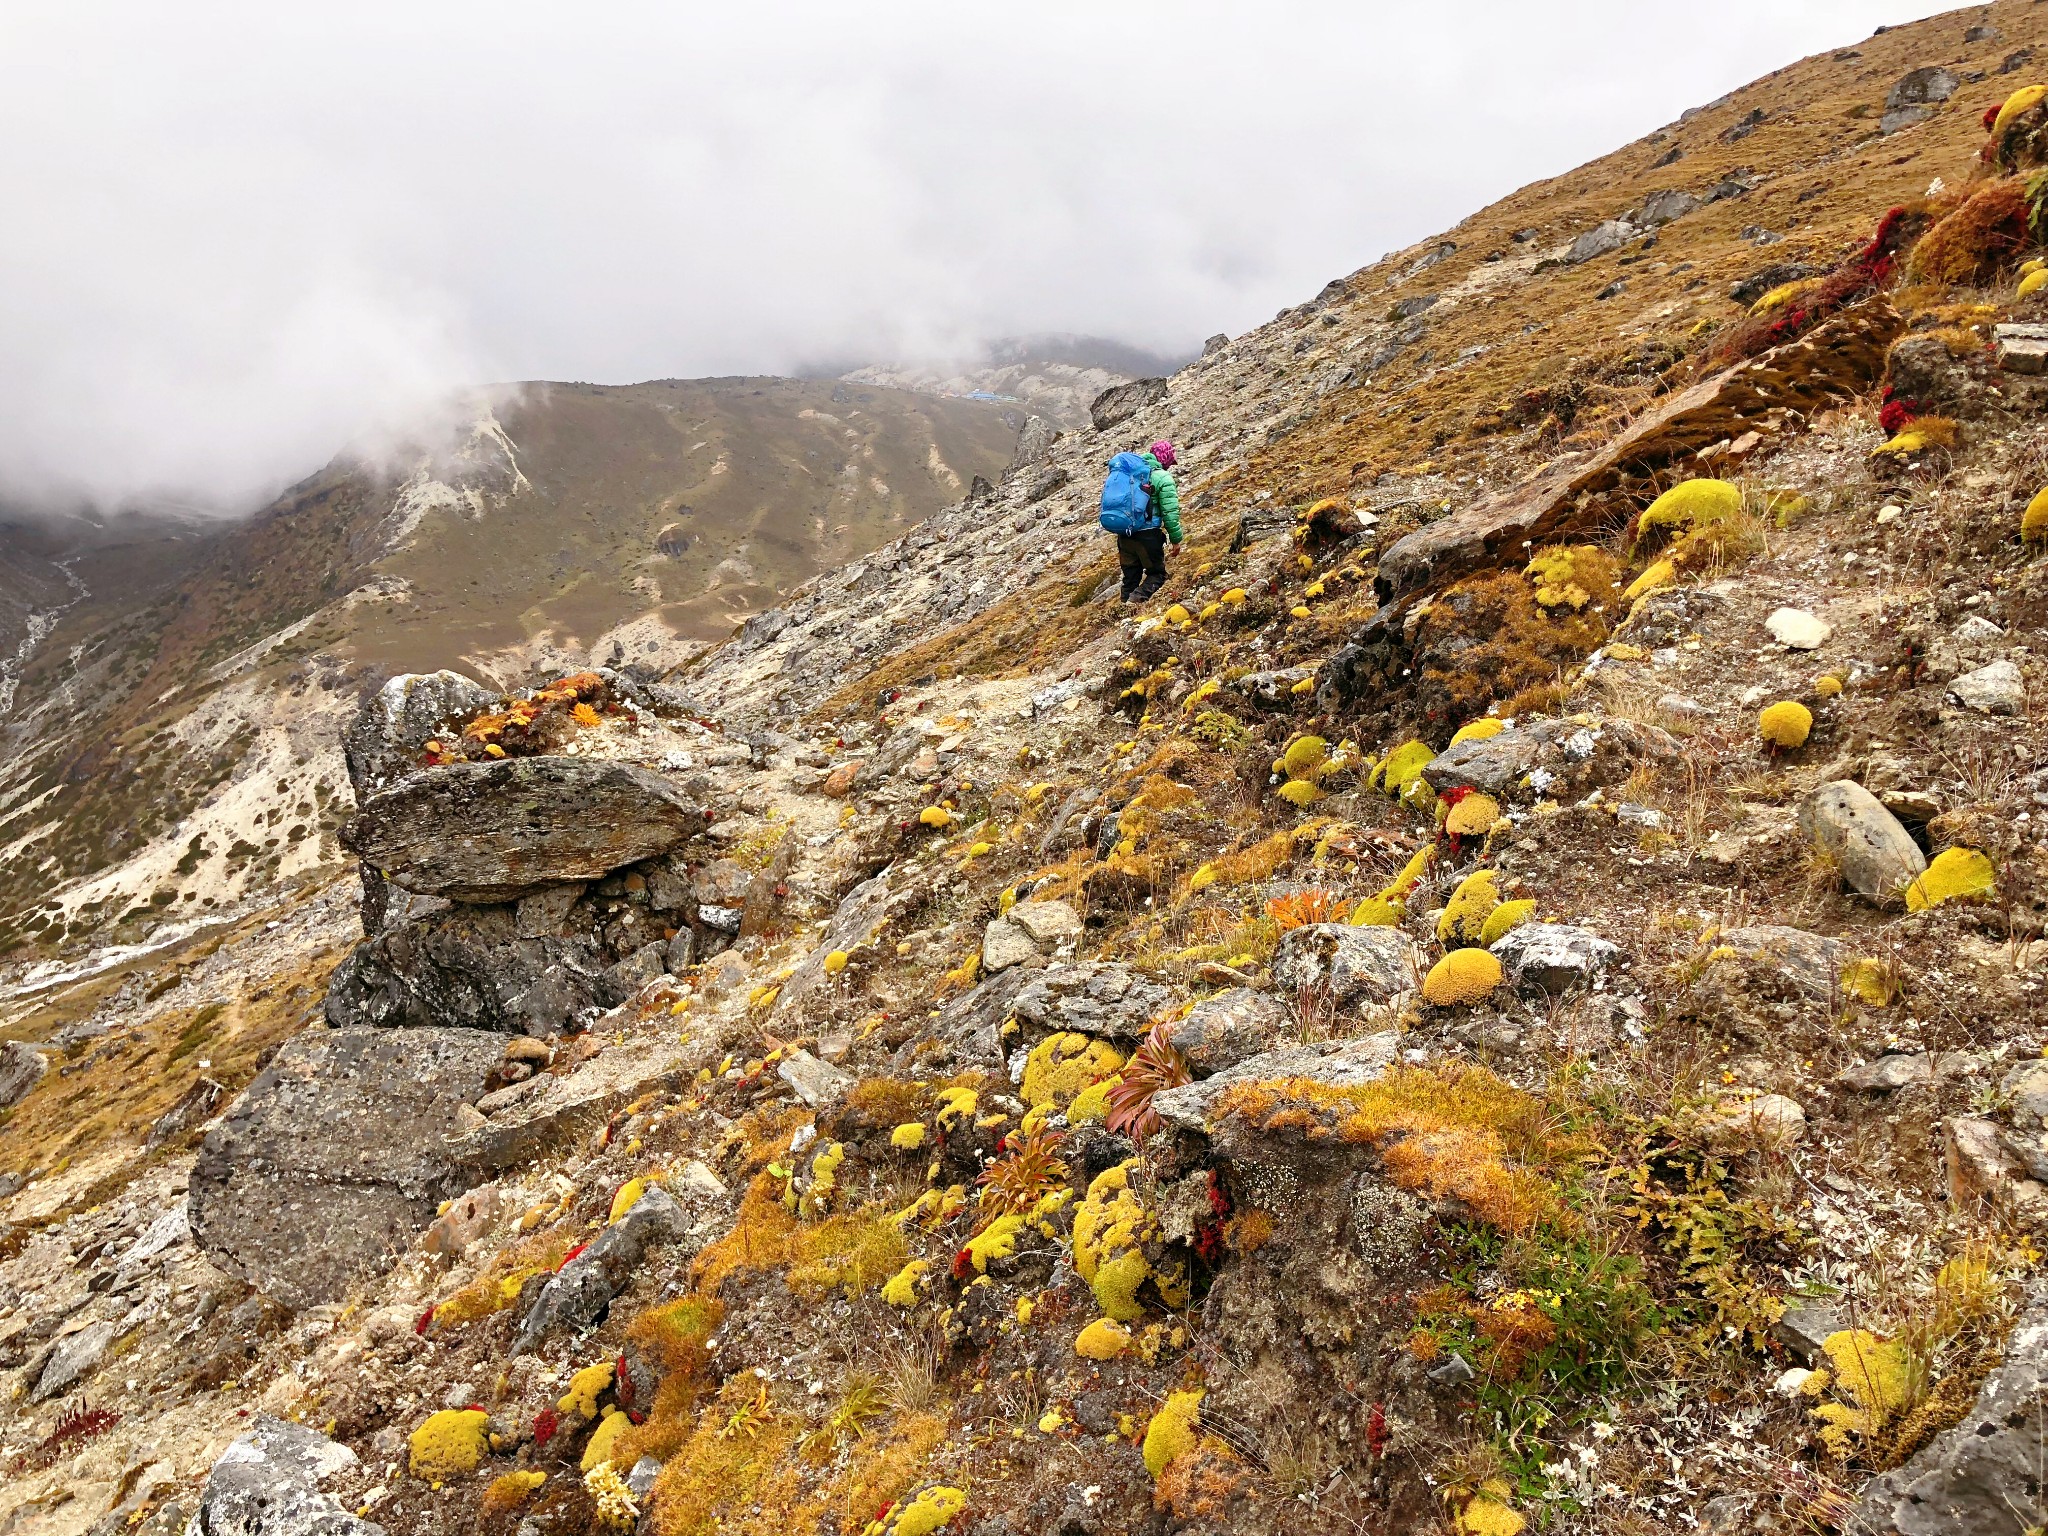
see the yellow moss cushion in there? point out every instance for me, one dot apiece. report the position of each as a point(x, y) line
point(2034, 521)
point(1103, 1339)
point(450, 1444)
point(1785, 724)
point(1484, 729)
point(1958, 874)
point(1472, 816)
point(1464, 917)
point(1463, 976)
point(1172, 1431)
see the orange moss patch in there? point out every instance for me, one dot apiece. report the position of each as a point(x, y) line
point(1454, 1132)
point(1972, 243)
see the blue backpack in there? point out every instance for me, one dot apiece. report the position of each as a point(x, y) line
point(1127, 496)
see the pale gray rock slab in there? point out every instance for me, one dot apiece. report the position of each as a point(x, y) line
point(815, 1082)
point(1876, 855)
point(1553, 958)
point(268, 1483)
point(1994, 689)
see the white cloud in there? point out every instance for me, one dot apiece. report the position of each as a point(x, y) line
point(237, 236)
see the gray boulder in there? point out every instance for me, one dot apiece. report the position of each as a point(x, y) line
point(1111, 1001)
point(1360, 967)
point(1982, 1478)
point(1120, 402)
point(1333, 1063)
point(1876, 855)
point(497, 831)
point(1661, 208)
point(1919, 87)
point(382, 744)
point(1996, 689)
point(21, 1067)
point(1600, 239)
point(268, 1483)
point(1233, 1026)
point(815, 1082)
point(335, 1155)
point(1553, 958)
point(1556, 756)
point(74, 1357)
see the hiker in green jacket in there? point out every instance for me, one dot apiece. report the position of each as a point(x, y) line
point(1143, 554)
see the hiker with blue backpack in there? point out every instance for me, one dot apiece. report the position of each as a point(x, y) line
point(1141, 506)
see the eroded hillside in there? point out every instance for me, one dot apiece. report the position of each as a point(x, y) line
point(1509, 997)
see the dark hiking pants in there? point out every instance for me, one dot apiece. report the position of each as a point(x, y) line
point(1143, 557)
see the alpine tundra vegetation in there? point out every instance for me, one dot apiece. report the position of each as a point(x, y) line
point(1507, 997)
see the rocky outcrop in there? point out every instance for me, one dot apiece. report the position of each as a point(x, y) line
point(1120, 402)
point(334, 1155)
point(21, 1067)
point(497, 831)
point(1771, 394)
point(1982, 1478)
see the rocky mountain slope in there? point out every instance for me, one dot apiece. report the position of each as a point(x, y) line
point(1508, 998)
point(173, 689)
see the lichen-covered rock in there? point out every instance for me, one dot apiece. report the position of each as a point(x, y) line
point(268, 1483)
point(1549, 757)
point(1112, 1001)
point(497, 831)
point(1553, 958)
point(1812, 961)
point(1221, 1031)
point(1358, 967)
point(1876, 855)
point(335, 1154)
point(469, 966)
point(391, 729)
point(1982, 1478)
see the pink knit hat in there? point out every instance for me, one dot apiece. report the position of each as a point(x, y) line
point(1163, 452)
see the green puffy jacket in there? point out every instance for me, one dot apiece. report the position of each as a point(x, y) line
point(1165, 498)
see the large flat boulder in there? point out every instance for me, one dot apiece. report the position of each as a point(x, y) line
point(336, 1154)
point(497, 831)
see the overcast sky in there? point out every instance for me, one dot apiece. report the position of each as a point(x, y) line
point(236, 235)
